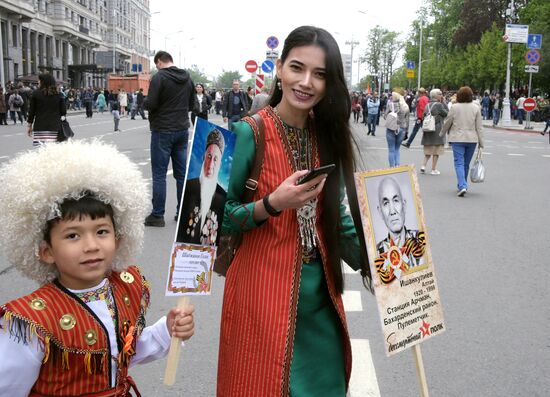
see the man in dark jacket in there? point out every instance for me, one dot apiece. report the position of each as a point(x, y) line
point(170, 97)
point(235, 105)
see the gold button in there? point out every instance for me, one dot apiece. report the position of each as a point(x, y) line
point(126, 300)
point(38, 304)
point(67, 322)
point(90, 337)
point(127, 277)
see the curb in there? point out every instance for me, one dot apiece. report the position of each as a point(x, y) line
point(522, 130)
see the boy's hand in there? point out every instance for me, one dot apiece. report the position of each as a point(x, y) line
point(180, 322)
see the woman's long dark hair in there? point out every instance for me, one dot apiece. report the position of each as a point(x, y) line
point(334, 139)
point(48, 85)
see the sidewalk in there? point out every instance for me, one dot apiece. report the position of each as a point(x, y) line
point(515, 126)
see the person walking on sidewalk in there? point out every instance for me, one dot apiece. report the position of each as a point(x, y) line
point(464, 127)
point(497, 109)
point(373, 108)
point(46, 108)
point(3, 108)
point(170, 98)
point(421, 103)
point(520, 112)
point(431, 140)
point(396, 133)
point(235, 105)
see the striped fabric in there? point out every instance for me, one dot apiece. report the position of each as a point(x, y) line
point(71, 366)
point(261, 290)
point(42, 137)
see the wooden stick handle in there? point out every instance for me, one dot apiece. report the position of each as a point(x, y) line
point(420, 371)
point(174, 353)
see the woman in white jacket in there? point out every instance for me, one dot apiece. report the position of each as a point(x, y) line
point(464, 126)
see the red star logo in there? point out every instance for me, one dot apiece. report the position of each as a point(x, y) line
point(425, 328)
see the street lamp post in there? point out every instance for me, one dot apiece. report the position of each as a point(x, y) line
point(352, 43)
point(506, 117)
point(114, 39)
point(419, 58)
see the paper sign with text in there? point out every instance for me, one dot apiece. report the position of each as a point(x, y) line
point(399, 257)
point(201, 212)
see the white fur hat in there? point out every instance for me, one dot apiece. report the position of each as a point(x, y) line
point(35, 183)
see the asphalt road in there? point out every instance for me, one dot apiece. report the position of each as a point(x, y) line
point(490, 255)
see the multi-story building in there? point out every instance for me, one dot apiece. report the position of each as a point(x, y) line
point(78, 41)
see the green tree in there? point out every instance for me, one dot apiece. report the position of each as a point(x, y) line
point(225, 80)
point(198, 76)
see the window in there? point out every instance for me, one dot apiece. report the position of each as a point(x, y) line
point(56, 48)
point(14, 35)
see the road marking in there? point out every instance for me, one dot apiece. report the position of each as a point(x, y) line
point(537, 142)
point(4, 157)
point(515, 154)
point(352, 301)
point(546, 155)
point(143, 163)
point(363, 382)
point(534, 147)
point(509, 141)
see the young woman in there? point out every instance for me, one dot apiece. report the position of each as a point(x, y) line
point(45, 111)
point(203, 103)
point(283, 329)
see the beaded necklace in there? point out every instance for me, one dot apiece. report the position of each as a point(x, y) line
point(102, 293)
point(299, 145)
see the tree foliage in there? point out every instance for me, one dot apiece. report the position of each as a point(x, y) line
point(225, 80)
point(462, 44)
point(198, 76)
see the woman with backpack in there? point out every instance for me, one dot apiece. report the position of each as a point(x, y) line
point(283, 327)
point(432, 142)
point(45, 111)
point(397, 124)
point(15, 102)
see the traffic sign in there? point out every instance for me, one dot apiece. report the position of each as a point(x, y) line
point(516, 33)
point(534, 41)
point(529, 105)
point(532, 57)
point(251, 66)
point(410, 74)
point(272, 42)
point(531, 68)
point(268, 66)
point(259, 83)
point(410, 64)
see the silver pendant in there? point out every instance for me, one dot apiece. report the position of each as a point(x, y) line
point(307, 219)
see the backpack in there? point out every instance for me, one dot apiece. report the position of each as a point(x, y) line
point(391, 119)
point(428, 124)
point(228, 244)
point(18, 101)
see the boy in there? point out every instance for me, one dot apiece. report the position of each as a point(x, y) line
point(71, 218)
point(115, 110)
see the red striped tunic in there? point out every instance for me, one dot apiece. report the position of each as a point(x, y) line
point(261, 291)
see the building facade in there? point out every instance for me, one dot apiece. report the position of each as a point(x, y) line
point(78, 41)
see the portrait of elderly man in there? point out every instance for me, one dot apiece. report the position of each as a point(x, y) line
point(402, 249)
point(204, 199)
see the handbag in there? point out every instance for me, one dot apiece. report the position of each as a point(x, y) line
point(428, 124)
point(477, 173)
point(65, 131)
point(228, 244)
point(391, 119)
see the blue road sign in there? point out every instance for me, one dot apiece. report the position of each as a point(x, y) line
point(272, 42)
point(410, 64)
point(534, 41)
point(268, 66)
point(532, 57)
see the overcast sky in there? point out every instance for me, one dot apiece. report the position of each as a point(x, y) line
point(222, 35)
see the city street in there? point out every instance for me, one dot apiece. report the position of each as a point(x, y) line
point(489, 250)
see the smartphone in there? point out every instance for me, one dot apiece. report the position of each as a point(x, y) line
point(325, 169)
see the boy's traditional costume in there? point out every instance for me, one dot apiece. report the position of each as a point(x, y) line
point(61, 342)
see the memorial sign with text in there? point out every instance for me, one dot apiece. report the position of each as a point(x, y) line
point(399, 257)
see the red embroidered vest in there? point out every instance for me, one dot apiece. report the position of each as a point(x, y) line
point(77, 357)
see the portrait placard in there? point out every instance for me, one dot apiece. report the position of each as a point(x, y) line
point(399, 257)
point(190, 271)
point(201, 210)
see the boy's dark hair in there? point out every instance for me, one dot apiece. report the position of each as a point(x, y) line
point(71, 209)
point(163, 56)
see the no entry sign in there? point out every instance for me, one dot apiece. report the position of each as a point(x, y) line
point(529, 105)
point(251, 66)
